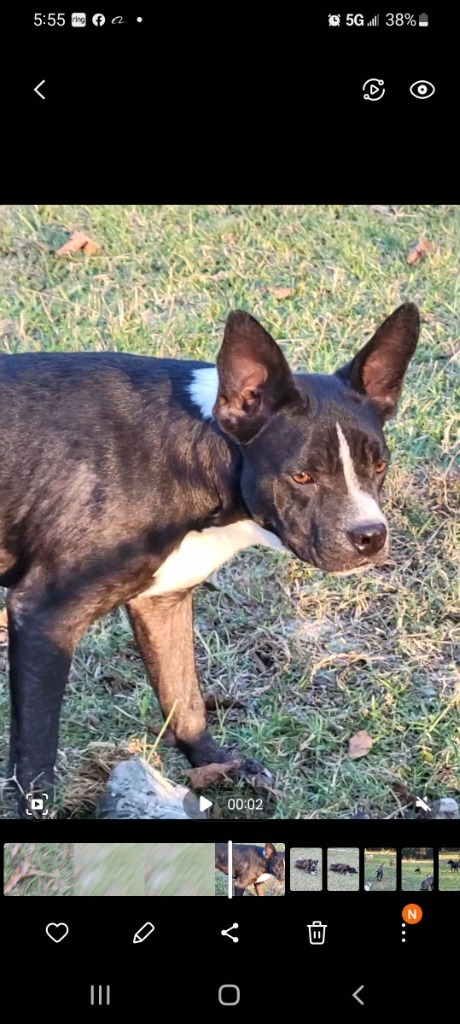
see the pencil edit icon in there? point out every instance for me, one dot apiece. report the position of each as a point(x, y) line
point(144, 932)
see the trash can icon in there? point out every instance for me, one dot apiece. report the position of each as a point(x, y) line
point(316, 933)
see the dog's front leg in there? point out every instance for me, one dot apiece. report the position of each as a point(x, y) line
point(260, 888)
point(163, 628)
point(40, 652)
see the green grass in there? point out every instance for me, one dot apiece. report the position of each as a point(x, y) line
point(303, 881)
point(109, 869)
point(449, 881)
point(179, 869)
point(379, 858)
point(342, 883)
point(312, 658)
point(411, 879)
point(54, 860)
point(272, 887)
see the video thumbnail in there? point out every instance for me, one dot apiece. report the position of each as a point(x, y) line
point(417, 869)
point(343, 870)
point(306, 869)
point(449, 869)
point(108, 869)
point(380, 870)
point(249, 869)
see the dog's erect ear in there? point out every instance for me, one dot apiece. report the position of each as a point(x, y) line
point(270, 850)
point(378, 369)
point(254, 378)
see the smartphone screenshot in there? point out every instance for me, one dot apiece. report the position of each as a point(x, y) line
point(229, 506)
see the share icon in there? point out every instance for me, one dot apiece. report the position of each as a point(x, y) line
point(226, 931)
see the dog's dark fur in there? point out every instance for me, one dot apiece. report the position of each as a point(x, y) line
point(380, 874)
point(344, 869)
point(418, 871)
point(249, 864)
point(307, 865)
point(454, 865)
point(109, 461)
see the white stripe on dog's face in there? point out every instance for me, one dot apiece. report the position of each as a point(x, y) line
point(203, 389)
point(365, 508)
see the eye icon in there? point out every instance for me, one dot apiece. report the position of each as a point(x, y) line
point(422, 90)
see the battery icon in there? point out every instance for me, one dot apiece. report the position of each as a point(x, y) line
point(423, 21)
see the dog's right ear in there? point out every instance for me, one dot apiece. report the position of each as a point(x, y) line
point(254, 378)
point(270, 850)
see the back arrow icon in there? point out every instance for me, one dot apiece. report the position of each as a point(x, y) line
point(37, 89)
point(356, 995)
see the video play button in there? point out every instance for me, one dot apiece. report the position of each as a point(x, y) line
point(196, 807)
point(374, 89)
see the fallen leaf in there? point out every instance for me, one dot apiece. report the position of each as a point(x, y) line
point(209, 773)
point(78, 242)
point(360, 744)
point(280, 293)
point(418, 251)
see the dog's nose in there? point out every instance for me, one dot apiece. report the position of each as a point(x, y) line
point(368, 539)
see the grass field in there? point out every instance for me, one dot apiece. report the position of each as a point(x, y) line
point(342, 883)
point(109, 869)
point(303, 881)
point(411, 879)
point(272, 887)
point(449, 881)
point(381, 858)
point(53, 862)
point(309, 658)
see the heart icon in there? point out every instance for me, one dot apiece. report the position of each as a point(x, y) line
point(57, 932)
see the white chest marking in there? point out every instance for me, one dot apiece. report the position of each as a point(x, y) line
point(365, 508)
point(263, 878)
point(201, 554)
point(203, 389)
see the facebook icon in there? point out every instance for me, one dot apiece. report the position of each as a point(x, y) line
point(98, 20)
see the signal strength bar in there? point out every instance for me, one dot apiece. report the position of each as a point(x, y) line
point(374, 22)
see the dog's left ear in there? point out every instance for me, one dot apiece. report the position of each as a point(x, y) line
point(270, 850)
point(254, 378)
point(378, 369)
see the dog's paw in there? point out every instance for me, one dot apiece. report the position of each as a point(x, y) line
point(254, 772)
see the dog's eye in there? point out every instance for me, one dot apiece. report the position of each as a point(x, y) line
point(302, 478)
point(381, 466)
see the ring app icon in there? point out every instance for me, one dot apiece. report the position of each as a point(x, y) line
point(374, 89)
point(422, 90)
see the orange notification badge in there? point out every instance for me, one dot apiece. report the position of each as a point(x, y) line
point(412, 913)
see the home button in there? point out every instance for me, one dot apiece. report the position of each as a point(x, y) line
point(229, 995)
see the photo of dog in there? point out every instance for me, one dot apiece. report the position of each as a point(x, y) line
point(379, 869)
point(417, 869)
point(343, 870)
point(449, 869)
point(200, 508)
point(306, 869)
point(260, 867)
